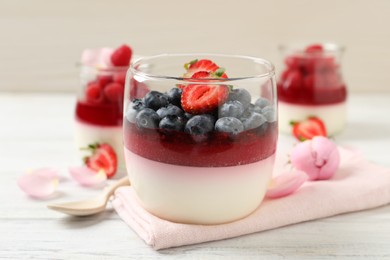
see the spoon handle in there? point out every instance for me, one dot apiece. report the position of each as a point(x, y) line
point(108, 191)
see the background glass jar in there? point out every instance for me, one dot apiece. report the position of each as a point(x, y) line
point(311, 84)
point(99, 110)
point(200, 150)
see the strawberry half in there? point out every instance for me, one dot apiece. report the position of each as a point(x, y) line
point(198, 99)
point(121, 56)
point(202, 66)
point(103, 158)
point(308, 129)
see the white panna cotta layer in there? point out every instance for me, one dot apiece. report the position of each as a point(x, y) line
point(199, 195)
point(334, 116)
point(86, 134)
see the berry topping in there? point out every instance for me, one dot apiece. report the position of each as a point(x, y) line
point(200, 125)
point(93, 93)
point(262, 102)
point(133, 109)
point(232, 108)
point(174, 96)
point(172, 123)
point(309, 128)
point(230, 125)
point(114, 92)
point(155, 100)
point(195, 66)
point(269, 113)
point(198, 99)
point(241, 95)
point(147, 118)
point(170, 110)
point(121, 56)
point(104, 80)
point(103, 158)
point(254, 120)
point(314, 48)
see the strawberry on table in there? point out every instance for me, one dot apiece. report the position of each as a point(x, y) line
point(103, 158)
point(308, 129)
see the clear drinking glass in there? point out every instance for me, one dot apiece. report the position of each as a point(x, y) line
point(99, 110)
point(197, 163)
point(311, 84)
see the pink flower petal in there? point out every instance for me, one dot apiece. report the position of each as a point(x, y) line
point(285, 184)
point(46, 172)
point(39, 184)
point(87, 177)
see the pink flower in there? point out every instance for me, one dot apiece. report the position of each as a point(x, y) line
point(318, 157)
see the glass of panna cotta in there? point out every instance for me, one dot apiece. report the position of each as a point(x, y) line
point(200, 139)
point(99, 110)
point(311, 84)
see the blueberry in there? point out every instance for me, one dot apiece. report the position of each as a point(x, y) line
point(174, 96)
point(254, 120)
point(188, 115)
point(172, 123)
point(155, 100)
point(241, 95)
point(232, 108)
point(254, 108)
point(169, 110)
point(230, 125)
point(133, 108)
point(147, 118)
point(262, 102)
point(200, 125)
point(269, 113)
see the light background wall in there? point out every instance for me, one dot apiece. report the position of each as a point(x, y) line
point(41, 40)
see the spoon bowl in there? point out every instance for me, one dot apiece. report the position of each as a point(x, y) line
point(90, 206)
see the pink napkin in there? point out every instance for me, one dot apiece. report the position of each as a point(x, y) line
point(357, 185)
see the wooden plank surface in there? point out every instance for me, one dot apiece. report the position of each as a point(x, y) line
point(36, 131)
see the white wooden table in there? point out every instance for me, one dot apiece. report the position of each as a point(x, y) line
point(36, 131)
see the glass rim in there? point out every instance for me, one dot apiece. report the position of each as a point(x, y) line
point(269, 65)
point(300, 47)
point(102, 68)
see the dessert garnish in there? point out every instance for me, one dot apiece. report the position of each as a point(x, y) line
point(319, 158)
point(312, 160)
point(309, 128)
point(103, 157)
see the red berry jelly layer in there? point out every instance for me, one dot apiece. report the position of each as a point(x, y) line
point(316, 96)
point(219, 150)
point(104, 114)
